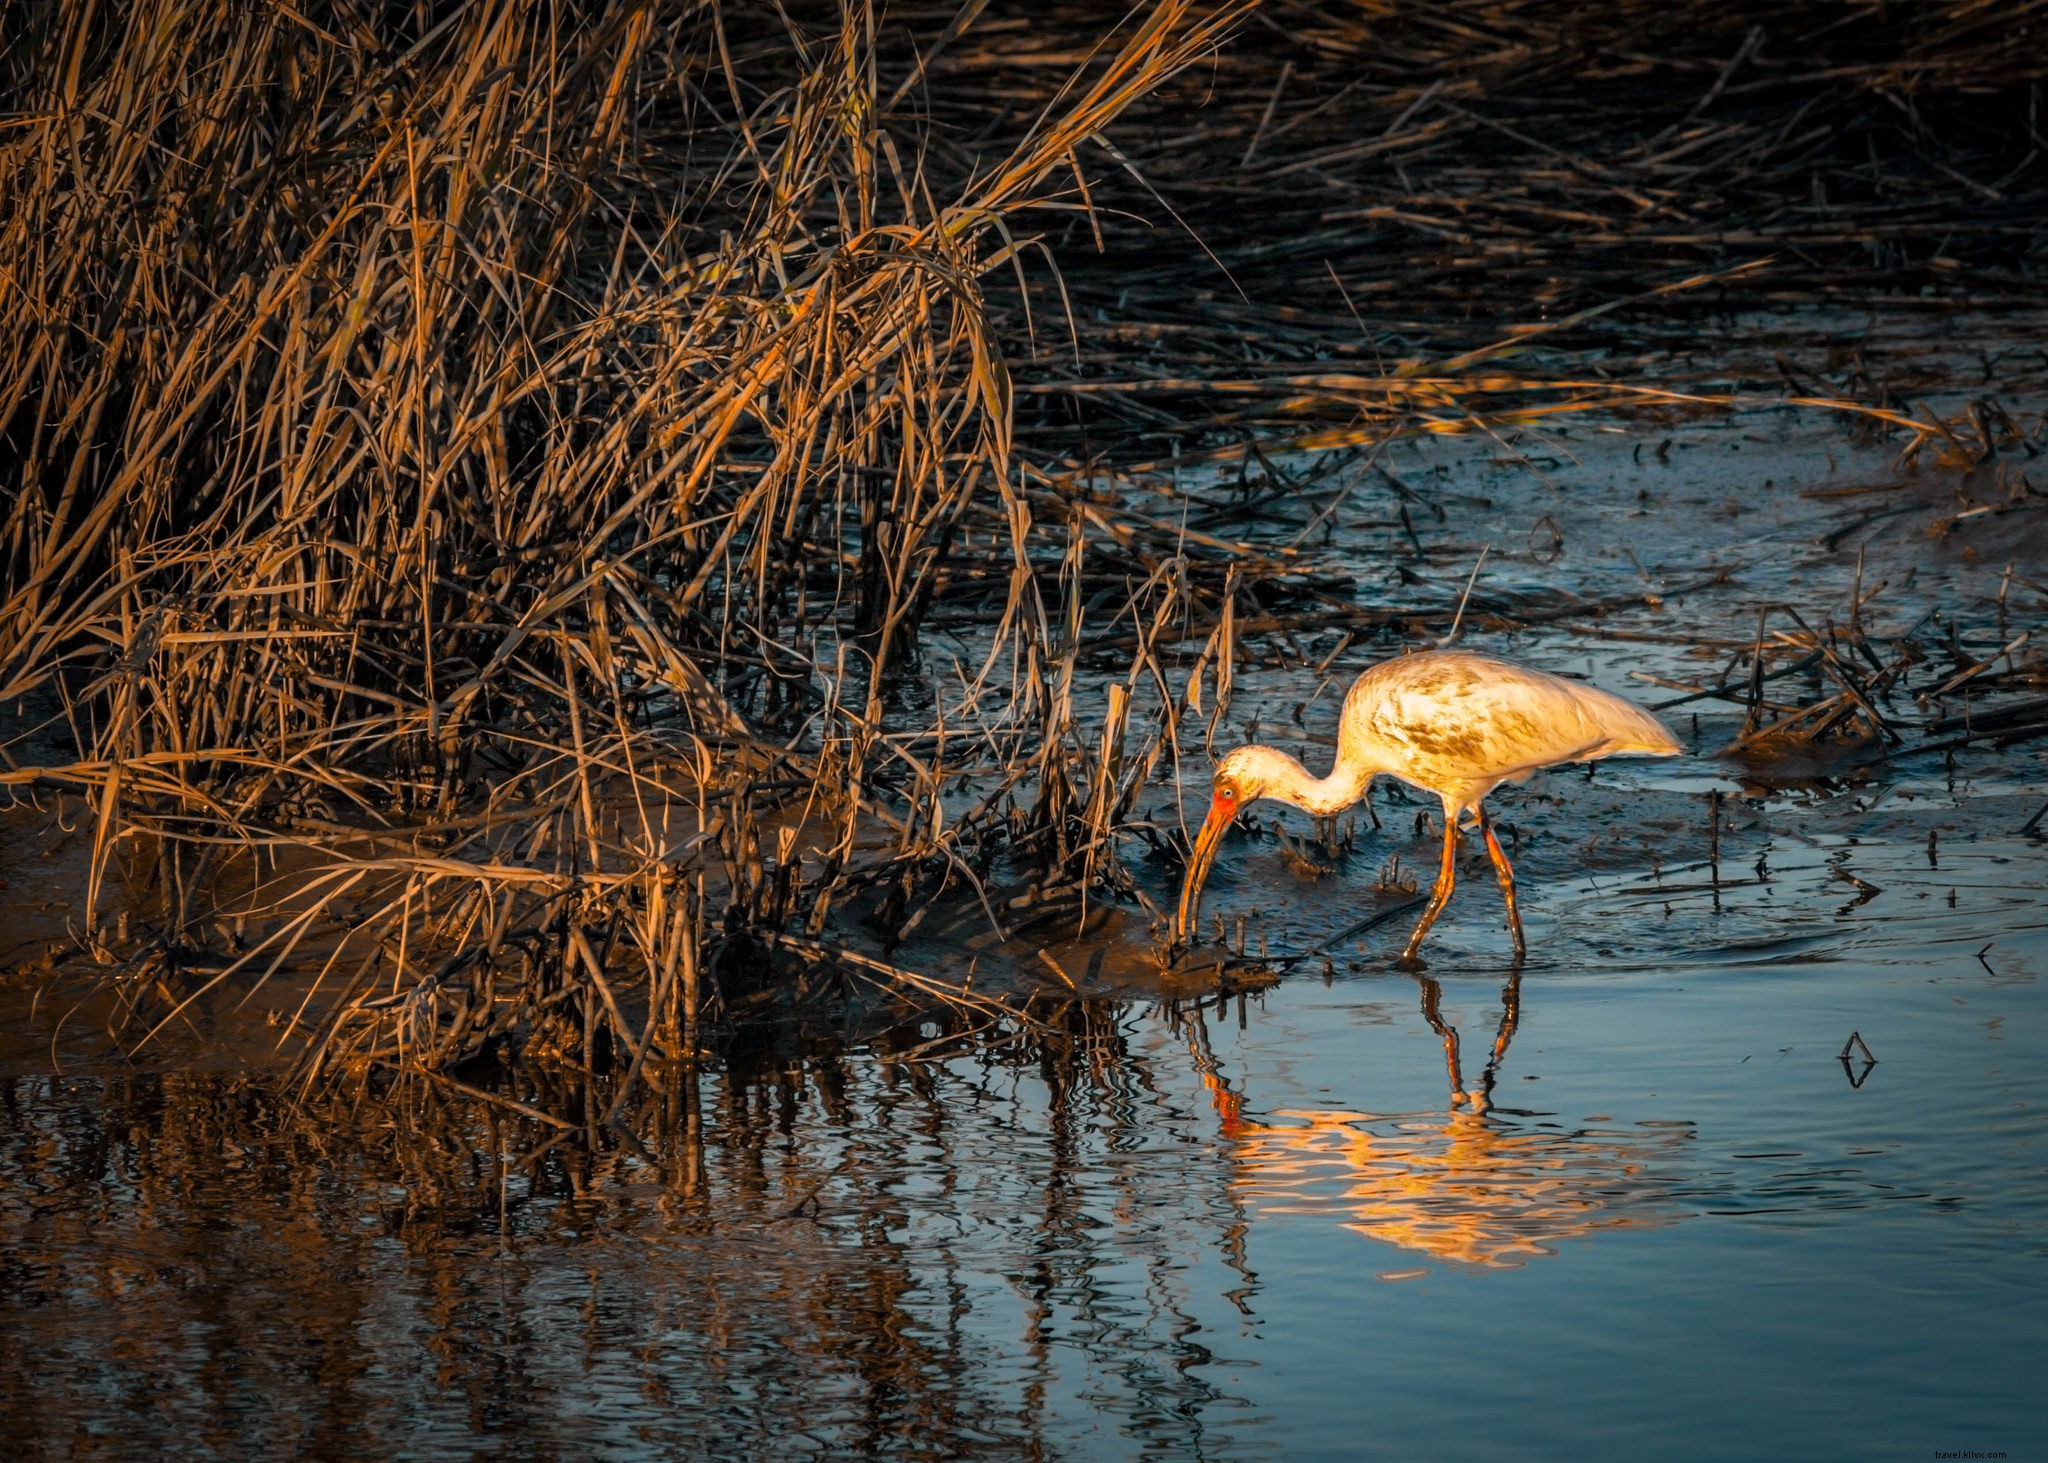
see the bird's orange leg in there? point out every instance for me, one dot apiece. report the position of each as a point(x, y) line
point(1441, 894)
point(1506, 871)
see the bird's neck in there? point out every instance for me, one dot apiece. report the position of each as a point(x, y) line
point(1325, 796)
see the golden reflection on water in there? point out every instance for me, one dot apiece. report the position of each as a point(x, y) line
point(1470, 1187)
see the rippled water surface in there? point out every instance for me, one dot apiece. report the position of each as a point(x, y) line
point(1680, 1226)
point(1635, 1204)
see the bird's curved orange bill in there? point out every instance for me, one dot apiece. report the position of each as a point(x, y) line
point(1220, 814)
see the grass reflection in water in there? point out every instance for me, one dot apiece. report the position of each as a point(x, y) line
point(862, 1254)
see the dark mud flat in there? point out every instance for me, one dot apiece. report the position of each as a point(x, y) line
point(1670, 1210)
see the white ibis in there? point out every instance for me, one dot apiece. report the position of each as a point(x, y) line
point(1454, 724)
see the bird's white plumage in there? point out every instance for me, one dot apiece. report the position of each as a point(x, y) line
point(1459, 725)
point(1445, 721)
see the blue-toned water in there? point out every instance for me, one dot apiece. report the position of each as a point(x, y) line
point(1680, 1226)
point(1656, 1215)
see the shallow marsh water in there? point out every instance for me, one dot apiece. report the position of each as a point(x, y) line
point(1684, 1228)
point(1674, 1221)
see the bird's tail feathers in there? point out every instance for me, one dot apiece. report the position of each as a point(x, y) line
point(1630, 729)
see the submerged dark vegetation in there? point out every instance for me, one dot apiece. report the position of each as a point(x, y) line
point(569, 531)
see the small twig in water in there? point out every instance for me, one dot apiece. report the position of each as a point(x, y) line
point(1459, 618)
point(1058, 970)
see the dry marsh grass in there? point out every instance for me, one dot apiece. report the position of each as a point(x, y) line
point(482, 480)
point(517, 519)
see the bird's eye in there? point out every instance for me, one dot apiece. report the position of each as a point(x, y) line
point(1226, 793)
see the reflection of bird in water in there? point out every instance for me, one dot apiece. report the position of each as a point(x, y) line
point(1464, 1188)
point(1450, 723)
point(1480, 1097)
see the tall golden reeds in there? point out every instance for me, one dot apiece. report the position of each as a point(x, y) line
point(512, 512)
point(482, 482)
